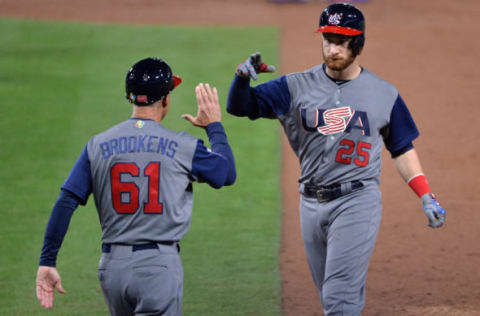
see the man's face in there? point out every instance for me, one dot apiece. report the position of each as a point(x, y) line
point(336, 54)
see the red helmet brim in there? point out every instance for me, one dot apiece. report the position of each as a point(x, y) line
point(338, 30)
point(176, 81)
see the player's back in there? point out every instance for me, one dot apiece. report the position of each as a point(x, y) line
point(141, 175)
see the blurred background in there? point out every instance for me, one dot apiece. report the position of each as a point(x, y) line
point(62, 71)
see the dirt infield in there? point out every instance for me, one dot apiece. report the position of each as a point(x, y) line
point(428, 49)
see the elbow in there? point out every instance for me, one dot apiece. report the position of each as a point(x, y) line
point(216, 185)
point(234, 107)
point(230, 109)
point(231, 177)
point(221, 175)
point(226, 175)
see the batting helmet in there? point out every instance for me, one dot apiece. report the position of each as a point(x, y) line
point(149, 80)
point(344, 19)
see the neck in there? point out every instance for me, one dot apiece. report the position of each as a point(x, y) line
point(148, 112)
point(349, 73)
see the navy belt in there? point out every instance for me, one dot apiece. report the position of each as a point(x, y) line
point(106, 248)
point(330, 192)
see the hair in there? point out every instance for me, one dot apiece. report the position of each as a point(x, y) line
point(356, 44)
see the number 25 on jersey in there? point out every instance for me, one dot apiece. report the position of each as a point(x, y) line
point(345, 154)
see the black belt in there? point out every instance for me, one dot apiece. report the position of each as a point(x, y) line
point(106, 248)
point(330, 192)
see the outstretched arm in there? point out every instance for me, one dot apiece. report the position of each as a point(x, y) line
point(409, 167)
point(216, 167)
point(241, 99)
point(267, 100)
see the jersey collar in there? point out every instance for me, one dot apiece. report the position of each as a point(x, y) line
point(336, 81)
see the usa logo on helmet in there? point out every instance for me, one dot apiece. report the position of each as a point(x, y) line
point(335, 19)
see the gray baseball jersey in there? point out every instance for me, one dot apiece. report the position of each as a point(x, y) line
point(329, 111)
point(142, 175)
point(336, 129)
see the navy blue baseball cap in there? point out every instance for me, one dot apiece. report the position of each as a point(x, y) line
point(342, 18)
point(149, 80)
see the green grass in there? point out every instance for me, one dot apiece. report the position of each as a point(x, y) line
point(62, 83)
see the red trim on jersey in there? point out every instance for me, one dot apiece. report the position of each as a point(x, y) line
point(338, 30)
point(419, 185)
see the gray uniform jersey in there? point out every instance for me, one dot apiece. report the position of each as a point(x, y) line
point(142, 172)
point(335, 130)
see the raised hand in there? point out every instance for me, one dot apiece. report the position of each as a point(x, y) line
point(251, 67)
point(208, 106)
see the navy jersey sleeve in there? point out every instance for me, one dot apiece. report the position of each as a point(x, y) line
point(400, 152)
point(57, 227)
point(401, 131)
point(79, 181)
point(216, 166)
point(267, 100)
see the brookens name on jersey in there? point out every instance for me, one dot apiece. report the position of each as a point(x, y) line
point(137, 144)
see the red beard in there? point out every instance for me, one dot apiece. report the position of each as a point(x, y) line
point(338, 64)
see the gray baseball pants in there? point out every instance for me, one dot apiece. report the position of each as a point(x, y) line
point(339, 237)
point(146, 282)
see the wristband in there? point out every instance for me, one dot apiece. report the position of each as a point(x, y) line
point(419, 184)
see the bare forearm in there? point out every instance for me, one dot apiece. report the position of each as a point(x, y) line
point(408, 165)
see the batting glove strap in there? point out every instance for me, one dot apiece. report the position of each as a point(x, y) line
point(434, 212)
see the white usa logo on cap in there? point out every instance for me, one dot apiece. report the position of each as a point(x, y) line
point(335, 19)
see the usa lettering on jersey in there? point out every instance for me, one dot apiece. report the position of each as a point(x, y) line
point(333, 121)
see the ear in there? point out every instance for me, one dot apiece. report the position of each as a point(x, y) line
point(164, 101)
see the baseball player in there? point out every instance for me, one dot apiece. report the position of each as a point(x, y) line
point(141, 175)
point(336, 116)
